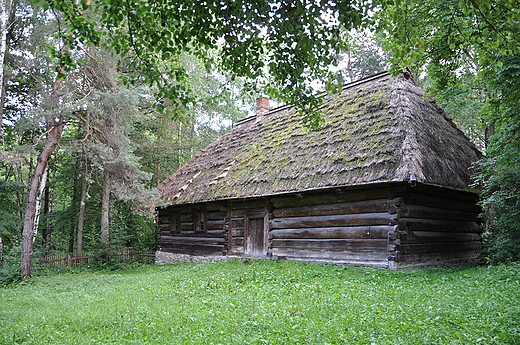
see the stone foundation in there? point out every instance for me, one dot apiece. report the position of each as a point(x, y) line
point(164, 258)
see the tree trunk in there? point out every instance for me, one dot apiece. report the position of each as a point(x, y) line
point(488, 133)
point(81, 217)
point(4, 22)
point(32, 205)
point(105, 209)
point(1, 252)
point(39, 197)
point(75, 203)
point(46, 228)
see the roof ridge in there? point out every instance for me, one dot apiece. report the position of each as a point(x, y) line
point(319, 95)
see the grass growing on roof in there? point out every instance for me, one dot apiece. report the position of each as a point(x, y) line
point(265, 302)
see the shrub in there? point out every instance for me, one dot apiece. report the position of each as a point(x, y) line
point(107, 258)
point(10, 270)
point(501, 204)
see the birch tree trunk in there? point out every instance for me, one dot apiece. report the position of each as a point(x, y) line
point(1, 252)
point(33, 203)
point(4, 23)
point(47, 207)
point(105, 209)
point(39, 197)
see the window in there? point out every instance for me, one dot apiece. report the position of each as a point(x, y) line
point(175, 223)
point(199, 221)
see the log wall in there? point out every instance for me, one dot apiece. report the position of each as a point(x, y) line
point(337, 226)
point(389, 225)
point(436, 226)
point(193, 230)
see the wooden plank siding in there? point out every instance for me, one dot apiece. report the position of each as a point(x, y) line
point(392, 226)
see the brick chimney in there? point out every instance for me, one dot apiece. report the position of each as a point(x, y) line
point(262, 106)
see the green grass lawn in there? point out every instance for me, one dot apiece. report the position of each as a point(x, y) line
point(265, 302)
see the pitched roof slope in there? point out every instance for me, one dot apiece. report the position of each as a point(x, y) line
point(377, 130)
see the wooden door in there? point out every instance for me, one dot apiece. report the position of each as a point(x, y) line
point(255, 236)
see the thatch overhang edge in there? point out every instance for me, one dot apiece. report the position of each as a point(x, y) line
point(329, 189)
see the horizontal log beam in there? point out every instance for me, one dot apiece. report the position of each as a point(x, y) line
point(195, 249)
point(240, 212)
point(237, 249)
point(216, 206)
point(436, 237)
point(352, 245)
point(237, 222)
point(447, 193)
point(239, 241)
point(216, 233)
point(443, 202)
point(237, 232)
point(186, 226)
point(332, 221)
point(329, 197)
point(360, 232)
point(215, 224)
point(216, 215)
point(425, 248)
point(344, 256)
point(431, 259)
point(366, 206)
point(416, 224)
point(190, 239)
point(414, 211)
point(248, 204)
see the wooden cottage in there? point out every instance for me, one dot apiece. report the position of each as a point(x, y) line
point(383, 182)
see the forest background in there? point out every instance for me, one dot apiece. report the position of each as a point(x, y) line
point(102, 100)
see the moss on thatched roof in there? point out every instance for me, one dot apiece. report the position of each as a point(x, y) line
point(377, 130)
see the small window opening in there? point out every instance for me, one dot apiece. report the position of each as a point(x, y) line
point(199, 221)
point(175, 226)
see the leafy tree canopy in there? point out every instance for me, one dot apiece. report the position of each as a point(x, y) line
point(472, 45)
point(445, 35)
point(290, 42)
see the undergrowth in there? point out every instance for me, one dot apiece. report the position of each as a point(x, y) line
point(265, 302)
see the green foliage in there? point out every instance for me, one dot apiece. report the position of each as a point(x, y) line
point(464, 100)
point(114, 126)
point(165, 144)
point(130, 229)
point(10, 222)
point(28, 35)
point(292, 42)
point(106, 259)
point(363, 56)
point(448, 35)
point(10, 267)
point(268, 302)
point(504, 110)
point(9, 274)
point(501, 202)
point(500, 170)
point(471, 51)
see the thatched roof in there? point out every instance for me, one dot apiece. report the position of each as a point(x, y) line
point(380, 129)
